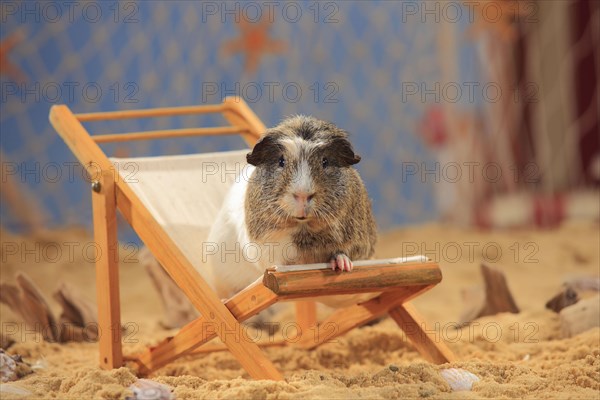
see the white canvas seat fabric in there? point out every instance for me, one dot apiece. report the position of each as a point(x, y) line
point(183, 193)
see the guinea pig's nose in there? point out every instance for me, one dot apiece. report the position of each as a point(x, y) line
point(302, 197)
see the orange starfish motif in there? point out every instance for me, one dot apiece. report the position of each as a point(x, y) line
point(6, 66)
point(254, 41)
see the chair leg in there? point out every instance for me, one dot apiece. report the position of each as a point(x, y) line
point(107, 271)
point(432, 348)
point(306, 315)
point(348, 318)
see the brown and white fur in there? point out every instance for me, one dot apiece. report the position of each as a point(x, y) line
point(302, 202)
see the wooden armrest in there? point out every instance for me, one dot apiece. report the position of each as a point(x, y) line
point(378, 276)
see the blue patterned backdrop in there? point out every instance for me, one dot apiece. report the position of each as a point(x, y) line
point(341, 61)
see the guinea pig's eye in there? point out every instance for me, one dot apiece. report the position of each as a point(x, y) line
point(281, 162)
point(325, 162)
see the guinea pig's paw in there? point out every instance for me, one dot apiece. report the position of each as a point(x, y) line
point(341, 262)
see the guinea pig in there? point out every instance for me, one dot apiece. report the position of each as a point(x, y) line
point(299, 201)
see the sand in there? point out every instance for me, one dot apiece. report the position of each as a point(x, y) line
point(515, 355)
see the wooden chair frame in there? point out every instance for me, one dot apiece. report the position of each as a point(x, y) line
point(398, 283)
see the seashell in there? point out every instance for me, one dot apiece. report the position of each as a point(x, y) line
point(146, 389)
point(459, 379)
point(7, 388)
point(8, 368)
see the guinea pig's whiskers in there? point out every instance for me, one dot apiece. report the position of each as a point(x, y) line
point(281, 217)
point(325, 216)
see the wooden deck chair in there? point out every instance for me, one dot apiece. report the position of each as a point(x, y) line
point(174, 240)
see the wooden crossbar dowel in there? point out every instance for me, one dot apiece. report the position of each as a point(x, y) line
point(168, 134)
point(151, 112)
point(374, 278)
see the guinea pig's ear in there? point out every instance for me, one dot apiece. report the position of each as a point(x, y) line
point(266, 148)
point(342, 148)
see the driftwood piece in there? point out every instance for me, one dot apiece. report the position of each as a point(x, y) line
point(79, 317)
point(567, 297)
point(580, 317)
point(27, 301)
point(77, 322)
point(574, 290)
point(178, 309)
point(498, 297)
point(497, 294)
